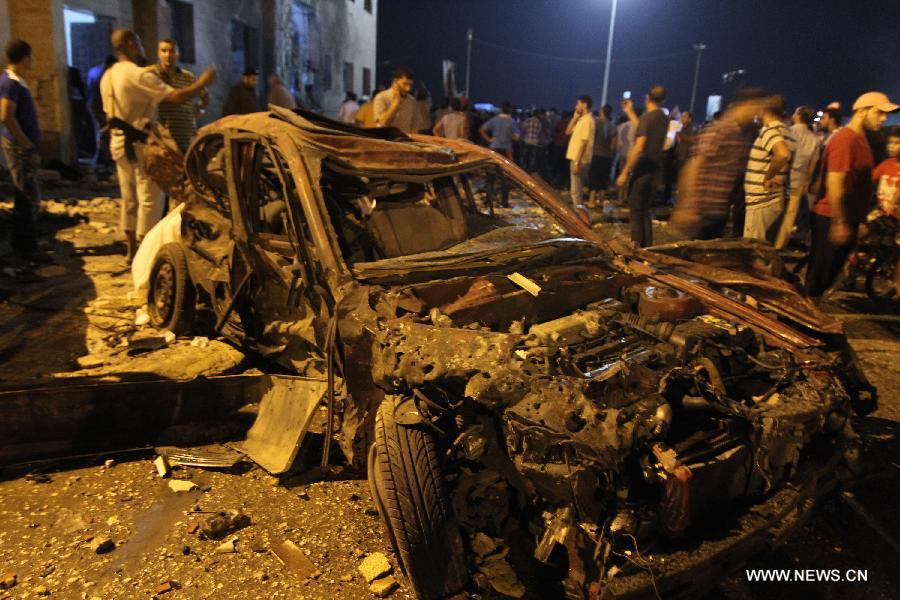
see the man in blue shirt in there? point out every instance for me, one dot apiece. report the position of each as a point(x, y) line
point(21, 135)
point(500, 132)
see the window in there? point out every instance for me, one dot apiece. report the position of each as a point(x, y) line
point(348, 77)
point(244, 46)
point(326, 72)
point(368, 6)
point(367, 81)
point(183, 30)
point(206, 171)
point(260, 189)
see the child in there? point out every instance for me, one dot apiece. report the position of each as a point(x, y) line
point(887, 177)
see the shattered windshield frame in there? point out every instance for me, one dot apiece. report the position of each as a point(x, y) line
point(403, 220)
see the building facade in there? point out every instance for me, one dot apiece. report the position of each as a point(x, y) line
point(320, 48)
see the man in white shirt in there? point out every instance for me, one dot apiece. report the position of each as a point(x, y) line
point(396, 106)
point(130, 96)
point(581, 147)
point(348, 109)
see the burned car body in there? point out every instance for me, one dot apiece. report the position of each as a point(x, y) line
point(530, 401)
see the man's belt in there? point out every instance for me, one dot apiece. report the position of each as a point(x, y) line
point(132, 135)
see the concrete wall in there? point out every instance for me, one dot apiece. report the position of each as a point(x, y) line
point(348, 35)
point(4, 25)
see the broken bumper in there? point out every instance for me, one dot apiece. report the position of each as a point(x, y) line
point(692, 571)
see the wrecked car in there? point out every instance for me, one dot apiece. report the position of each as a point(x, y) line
point(540, 412)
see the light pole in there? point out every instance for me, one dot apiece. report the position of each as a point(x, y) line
point(699, 48)
point(612, 26)
point(468, 61)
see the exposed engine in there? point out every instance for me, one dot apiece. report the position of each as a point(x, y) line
point(697, 411)
point(628, 419)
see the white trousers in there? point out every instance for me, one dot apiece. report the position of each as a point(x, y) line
point(142, 200)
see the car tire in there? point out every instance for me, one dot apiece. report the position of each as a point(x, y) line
point(408, 485)
point(171, 295)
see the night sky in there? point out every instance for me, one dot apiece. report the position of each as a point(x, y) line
point(813, 52)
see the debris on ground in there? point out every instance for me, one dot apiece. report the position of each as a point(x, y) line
point(384, 586)
point(224, 522)
point(206, 458)
point(502, 576)
point(166, 586)
point(102, 545)
point(227, 547)
point(182, 485)
point(376, 569)
point(374, 566)
point(294, 559)
point(163, 469)
point(8, 580)
point(141, 317)
point(52, 271)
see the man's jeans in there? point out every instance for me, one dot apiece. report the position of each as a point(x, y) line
point(23, 167)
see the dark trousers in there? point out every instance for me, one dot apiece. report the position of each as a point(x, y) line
point(23, 167)
point(825, 260)
point(534, 158)
point(712, 229)
point(559, 166)
point(640, 199)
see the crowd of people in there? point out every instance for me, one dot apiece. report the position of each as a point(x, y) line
point(772, 177)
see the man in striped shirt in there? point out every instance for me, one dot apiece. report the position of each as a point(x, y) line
point(767, 179)
point(180, 119)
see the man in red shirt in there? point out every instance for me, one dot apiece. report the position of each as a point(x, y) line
point(847, 169)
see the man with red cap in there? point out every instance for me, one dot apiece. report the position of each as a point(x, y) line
point(846, 194)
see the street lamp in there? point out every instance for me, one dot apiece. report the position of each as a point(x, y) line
point(699, 48)
point(612, 26)
point(468, 61)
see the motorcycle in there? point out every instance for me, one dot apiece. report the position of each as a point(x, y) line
point(876, 258)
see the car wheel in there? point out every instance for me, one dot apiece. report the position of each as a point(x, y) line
point(408, 485)
point(170, 300)
point(881, 281)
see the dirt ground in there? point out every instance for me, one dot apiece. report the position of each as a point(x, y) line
point(71, 315)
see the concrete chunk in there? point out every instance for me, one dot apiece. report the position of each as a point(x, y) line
point(182, 485)
point(384, 587)
point(374, 566)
